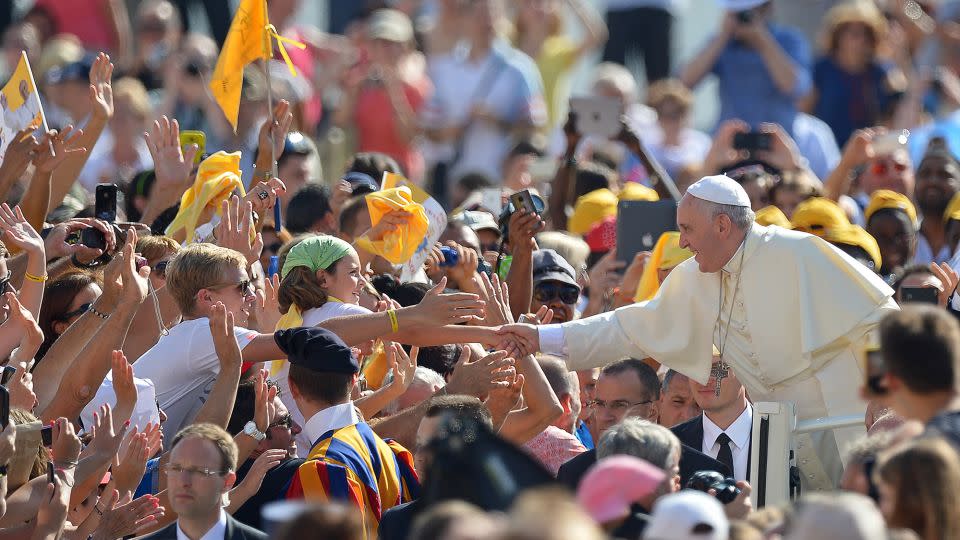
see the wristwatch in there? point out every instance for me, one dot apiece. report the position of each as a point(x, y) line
point(251, 429)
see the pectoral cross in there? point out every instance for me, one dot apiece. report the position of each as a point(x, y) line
point(719, 371)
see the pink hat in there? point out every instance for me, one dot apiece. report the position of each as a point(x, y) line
point(603, 235)
point(616, 482)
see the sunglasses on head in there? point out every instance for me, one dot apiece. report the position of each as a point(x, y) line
point(545, 292)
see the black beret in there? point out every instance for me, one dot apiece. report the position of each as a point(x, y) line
point(317, 349)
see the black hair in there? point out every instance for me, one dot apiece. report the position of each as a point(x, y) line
point(406, 294)
point(140, 186)
point(308, 205)
point(648, 377)
point(373, 164)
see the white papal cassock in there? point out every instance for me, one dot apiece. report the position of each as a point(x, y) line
point(797, 325)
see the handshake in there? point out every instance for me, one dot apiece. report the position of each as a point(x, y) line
point(522, 338)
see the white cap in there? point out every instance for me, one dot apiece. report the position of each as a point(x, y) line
point(741, 5)
point(720, 189)
point(837, 515)
point(677, 516)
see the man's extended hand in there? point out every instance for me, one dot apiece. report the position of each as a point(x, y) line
point(519, 339)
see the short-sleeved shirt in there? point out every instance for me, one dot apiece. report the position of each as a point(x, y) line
point(849, 101)
point(553, 447)
point(747, 90)
point(510, 88)
point(183, 366)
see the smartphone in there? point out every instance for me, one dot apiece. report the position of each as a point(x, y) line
point(4, 406)
point(8, 372)
point(874, 372)
point(93, 237)
point(597, 115)
point(51, 472)
point(754, 140)
point(46, 436)
point(927, 295)
point(106, 202)
point(199, 138)
point(889, 143)
point(141, 262)
point(523, 200)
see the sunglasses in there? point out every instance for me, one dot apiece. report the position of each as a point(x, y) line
point(883, 166)
point(79, 311)
point(160, 269)
point(285, 421)
point(244, 287)
point(545, 292)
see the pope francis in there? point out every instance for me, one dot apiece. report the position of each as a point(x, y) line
point(786, 310)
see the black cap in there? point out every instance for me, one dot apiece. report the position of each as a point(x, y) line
point(548, 265)
point(74, 71)
point(317, 349)
point(361, 183)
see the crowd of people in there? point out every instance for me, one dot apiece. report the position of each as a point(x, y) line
point(240, 347)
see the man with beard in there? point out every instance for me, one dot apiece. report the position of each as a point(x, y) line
point(938, 180)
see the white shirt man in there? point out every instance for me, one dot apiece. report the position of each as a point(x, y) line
point(788, 312)
point(739, 440)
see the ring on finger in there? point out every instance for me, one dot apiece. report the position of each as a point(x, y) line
point(263, 195)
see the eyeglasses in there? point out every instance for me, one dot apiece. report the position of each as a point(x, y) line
point(160, 269)
point(79, 311)
point(545, 292)
point(617, 404)
point(285, 421)
point(171, 469)
point(884, 166)
point(245, 288)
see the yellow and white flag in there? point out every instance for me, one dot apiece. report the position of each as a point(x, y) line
point(250, 38)
point(19, 105)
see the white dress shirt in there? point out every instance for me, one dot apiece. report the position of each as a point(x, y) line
point(739, 433)
point(217, 532)
point(336, 417)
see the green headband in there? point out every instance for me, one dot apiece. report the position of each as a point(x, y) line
point(315, 253)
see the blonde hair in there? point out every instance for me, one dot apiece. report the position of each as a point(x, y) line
point(928, 507)
point(669, 89)
point(215, 434)
point(134, 93)
point(199, 266)
point(618, 77)
point(155, 247)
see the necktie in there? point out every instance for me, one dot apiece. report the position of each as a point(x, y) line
point(725, 455)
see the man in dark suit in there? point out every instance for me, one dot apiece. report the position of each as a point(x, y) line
point(724, 428)
point(630, 388)
point(200, 473)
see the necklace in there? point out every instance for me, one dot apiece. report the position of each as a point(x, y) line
point(722, 369)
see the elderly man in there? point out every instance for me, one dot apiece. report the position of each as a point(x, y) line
point(788, 311)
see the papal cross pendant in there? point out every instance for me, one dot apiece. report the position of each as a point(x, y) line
point(719, 371)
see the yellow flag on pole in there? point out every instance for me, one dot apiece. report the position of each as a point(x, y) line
point(20, 107)
point(251, 37)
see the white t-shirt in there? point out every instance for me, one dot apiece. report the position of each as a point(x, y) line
point(183, 367)
point(311, 317)
point(144, 411)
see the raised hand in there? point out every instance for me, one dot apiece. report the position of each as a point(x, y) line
point(275, 127)
point(496, 294)
point(56, 245)
point(136, 283)
point(20, 387)
point(263, 195)
point(54, 148)
point(122, 518)
point(438, 308)
point(523, 227)
point(479, 377)
point(783, 153)
point(53, 510)
point(17, 232)
point(524, 336)
point(949, 278)
point(466, 267)
point(605, 274)
point(387, 224)
point(132, 461)
point(404, 366)
point(264, 409)
point(123, 386)
point(31, 337)
point(233, 231)
point(224, 339)
point(101, 88)
point(66, 444)
point(173, 166)
point(543, 316)
point(106, 440)
point(254, 479)
point(20, 151)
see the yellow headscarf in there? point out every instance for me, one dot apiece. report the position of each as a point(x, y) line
point(666, 254)
point(884, 198)
point(217, 178)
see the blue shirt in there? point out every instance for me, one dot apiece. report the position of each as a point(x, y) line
point(849, 101)
point(583, 435)
point(747, 90)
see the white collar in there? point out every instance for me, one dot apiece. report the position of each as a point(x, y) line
point(217, 532)
point(739, 430)
point(335, 417)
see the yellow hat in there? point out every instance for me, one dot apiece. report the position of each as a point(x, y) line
point(666, 254)
point(818, 215)
point(591, 209)
point(855, 235)
point(953, 209)
point(633, 191)
point(884, 198)
point(771, 215)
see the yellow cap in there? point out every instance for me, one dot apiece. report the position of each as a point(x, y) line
point(818, 215)
point(591, 209)
point(884, 198)
point(771, 215)
point(633, 191)
point(953, 209)
point(666, 254)
point(855, 235)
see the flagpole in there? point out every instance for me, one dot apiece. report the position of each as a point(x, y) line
point(268, 49)
point(33, 81)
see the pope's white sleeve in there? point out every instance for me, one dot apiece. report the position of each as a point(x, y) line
point(552, 340)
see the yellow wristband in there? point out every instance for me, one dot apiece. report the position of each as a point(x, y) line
point(38, 279)
point(394, 325)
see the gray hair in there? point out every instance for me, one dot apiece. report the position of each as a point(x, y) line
point(422, 376)
point(642, 439)
point(741, 216)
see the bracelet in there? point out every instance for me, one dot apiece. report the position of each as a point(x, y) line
point(394, 325)
point(99, 313)
point(38, 279)
point(76, 262)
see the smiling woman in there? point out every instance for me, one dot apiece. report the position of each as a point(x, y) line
point(66, 299)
